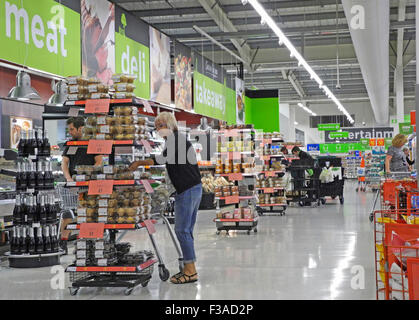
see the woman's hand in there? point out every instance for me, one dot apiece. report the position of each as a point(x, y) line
point(133, 166)
point(136, 164)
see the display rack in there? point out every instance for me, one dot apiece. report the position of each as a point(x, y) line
point(351, 165)
point(374, 168)
point(270, 187)
point(103, 186)
point(34, 240)
point(235, 162)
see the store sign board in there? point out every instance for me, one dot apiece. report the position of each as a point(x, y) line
point(388, 142)
point(42, 34)
point(132, 54)
point(214, 94)
point(405, 128)
point(183, 76)
point(334, 148)
point(313, 147)
point(373, 142)
point(380, 142)
point(240, 109)
point(328, 126)
point(358, 134)
point(343, 134)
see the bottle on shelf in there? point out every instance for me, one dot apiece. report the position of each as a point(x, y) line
point(47, 240)
point(14, 242)
point(51, 209)
point(54, 239)
point(28, 145)
point(31, 210)
point(37, 204)
point(31, 176)
point(22, 184)
point(40, 177)
point(46, 146)
point(39, 244)
point(18, 176)
point(18, 211)
point(42, 210)
point(33, 144)
point(22, 144)
point(38, 139)
point(31, 242)
point(20, 240)
point(48, 176)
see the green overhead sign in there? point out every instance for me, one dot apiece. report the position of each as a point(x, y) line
point(343, 134)
point(334, 148)
point(328, 126)
point(42, 34)
point(405, 128)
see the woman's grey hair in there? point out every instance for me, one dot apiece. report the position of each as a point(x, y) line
point(406, 148)
point(168, 119)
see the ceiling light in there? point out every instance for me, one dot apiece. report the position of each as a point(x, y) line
point(295, 123)
point(23, 89)
point(244, 2)
point(306, 109)
point(293, 51)
point(262, 22)
point(60, 94)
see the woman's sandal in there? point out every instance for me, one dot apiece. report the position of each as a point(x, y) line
point(176, 279)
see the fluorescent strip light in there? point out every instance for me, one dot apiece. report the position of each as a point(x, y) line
point(306, 109)
point(296, 123)
point(294, 53)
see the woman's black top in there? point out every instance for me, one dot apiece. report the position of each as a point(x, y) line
point(180, 160)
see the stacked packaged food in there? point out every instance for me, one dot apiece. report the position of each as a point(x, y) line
point(123, 87)
point(124, 205)
point(124, 125)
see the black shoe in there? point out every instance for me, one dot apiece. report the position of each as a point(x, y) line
point(63, 247)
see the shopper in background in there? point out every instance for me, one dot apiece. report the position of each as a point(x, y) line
point(296, 151)
point(73, 157)
point(406, 152)
point(395, 159)
point(184, 174)
point(284, 150)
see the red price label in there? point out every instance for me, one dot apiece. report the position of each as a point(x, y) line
point(234, 155)
point(232, 199)
point(268, 190)
point(100, 187)
point(146, 145)
point(99, 147)
point(91, 230)
point(269, 173)
point(150, 226)
point(373, 142)
point(380, 142)
point(147, 186)
point(97, 106)
point(235, 176)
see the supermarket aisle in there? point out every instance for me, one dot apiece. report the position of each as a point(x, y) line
point(307, 254)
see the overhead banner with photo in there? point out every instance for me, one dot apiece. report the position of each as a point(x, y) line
point(214, 94)
point(132, 53)
point(98, 39)
point(42, 34)
point(183, 76)
point(160, 88)
point(240, 108)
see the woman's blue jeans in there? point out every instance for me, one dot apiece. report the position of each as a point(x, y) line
point(186, 209)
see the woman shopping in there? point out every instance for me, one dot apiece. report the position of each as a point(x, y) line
point(180, 160)
point(395, 159)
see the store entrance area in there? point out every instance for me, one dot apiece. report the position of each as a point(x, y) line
point(310, 253)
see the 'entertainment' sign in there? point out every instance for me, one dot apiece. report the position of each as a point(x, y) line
point(356, 134)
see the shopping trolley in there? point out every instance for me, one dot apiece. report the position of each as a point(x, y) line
point(396, 236)
point(68, 199)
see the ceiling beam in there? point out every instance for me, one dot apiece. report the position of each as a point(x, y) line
point(223, 22)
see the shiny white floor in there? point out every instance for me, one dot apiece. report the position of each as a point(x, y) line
point(307, 254)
